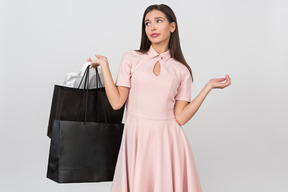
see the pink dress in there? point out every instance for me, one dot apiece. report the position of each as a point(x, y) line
point(155, 155)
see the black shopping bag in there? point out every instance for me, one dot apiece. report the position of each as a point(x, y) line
point(84, 151)
point(67, 104)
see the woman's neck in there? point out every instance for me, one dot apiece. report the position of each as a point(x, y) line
point(160, 48)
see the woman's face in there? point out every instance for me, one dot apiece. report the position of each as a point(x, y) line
point(157, 27)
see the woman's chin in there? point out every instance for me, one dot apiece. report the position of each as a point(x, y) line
point(156, 42)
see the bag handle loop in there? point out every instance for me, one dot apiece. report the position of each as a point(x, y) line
point(86, 89)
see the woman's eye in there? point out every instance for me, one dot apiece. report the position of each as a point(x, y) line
point(159, 20)
point(147, 24)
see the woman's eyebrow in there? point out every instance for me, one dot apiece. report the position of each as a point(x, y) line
point(154, 18)
point(159, 18)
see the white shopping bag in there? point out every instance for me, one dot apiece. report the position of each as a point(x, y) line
point(73, 79)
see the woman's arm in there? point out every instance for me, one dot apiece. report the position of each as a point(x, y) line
point(117, 96)
point(184, 111)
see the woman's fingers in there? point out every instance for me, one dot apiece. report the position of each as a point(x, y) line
point(98, 56)
point(94, 65)
point(220, 79)
point(89, 59)
point(221, 82)
point(228, 80)
point(101, 57)
point(99, 61)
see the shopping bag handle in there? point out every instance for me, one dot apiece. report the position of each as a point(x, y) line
point(97, 77)
point(86, 89)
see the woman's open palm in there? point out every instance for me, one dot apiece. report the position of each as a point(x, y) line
point(220, 83)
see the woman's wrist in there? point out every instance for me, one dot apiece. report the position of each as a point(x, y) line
point(104, 65)
point(208, 87)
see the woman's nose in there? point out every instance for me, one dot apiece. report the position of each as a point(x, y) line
point(153, 27)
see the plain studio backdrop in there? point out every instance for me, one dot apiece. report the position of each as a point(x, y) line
point(238, 136)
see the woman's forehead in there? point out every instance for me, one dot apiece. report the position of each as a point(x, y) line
point(154, 14)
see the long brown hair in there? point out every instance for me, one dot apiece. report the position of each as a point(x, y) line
point(174, 43)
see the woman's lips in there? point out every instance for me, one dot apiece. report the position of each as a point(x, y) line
point(155, 34)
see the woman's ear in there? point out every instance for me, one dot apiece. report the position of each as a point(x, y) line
point(172, 27)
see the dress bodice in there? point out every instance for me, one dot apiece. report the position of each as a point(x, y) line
point(152, 96)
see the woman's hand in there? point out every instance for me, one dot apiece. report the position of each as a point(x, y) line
point(102, 60)
point(219, 83)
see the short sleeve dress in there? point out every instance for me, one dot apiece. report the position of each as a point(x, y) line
point(154, 155)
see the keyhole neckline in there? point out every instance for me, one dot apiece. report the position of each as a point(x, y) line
point(157, 69)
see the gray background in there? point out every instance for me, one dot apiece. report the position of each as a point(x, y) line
point(238, 136)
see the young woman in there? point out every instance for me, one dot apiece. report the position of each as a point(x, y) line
point(155, 155)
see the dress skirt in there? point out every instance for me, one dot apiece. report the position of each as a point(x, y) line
point(155, 156)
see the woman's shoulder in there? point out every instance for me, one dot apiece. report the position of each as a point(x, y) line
point(133, 54)
point(132, 58)
point(179, 66)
